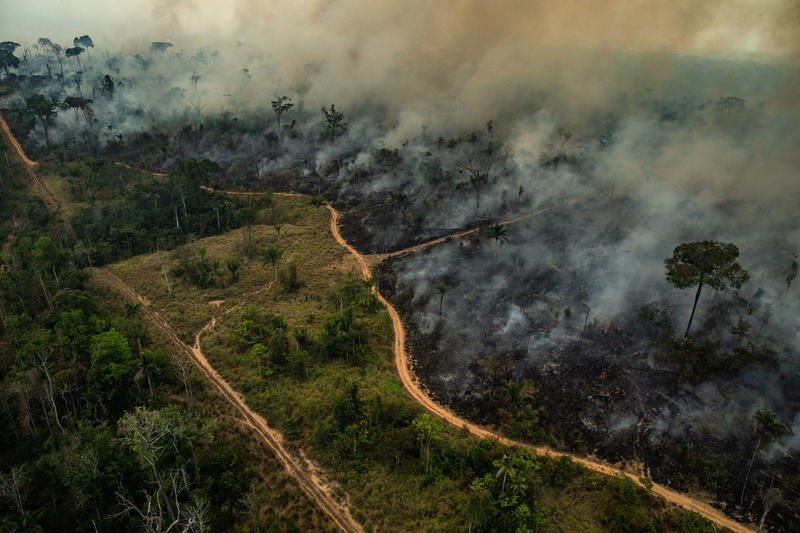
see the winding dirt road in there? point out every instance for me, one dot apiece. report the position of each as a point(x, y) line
point(303, 470)
point(310, 477)
point(412, 385)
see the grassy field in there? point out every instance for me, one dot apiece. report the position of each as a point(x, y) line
point(384, 476)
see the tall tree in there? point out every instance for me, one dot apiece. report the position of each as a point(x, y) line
point(428, 430)
point(75, 103)
point(334, 121)
point(705, 263)
point(112, 369)
point(280, 106)
point(44, 109)
point(75, 52)
point(57, 51)
point(45, 44)
point(160, 46)
point(85, 42)
point(272, 255)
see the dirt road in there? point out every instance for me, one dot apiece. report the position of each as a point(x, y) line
point(308, 475)
point(412, 385)
point(51, 202)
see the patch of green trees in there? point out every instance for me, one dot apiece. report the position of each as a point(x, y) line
point(156, 215)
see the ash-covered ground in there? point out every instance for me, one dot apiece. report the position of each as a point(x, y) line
point(569, 334)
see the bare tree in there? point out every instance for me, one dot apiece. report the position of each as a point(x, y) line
point(767, 428)
point(43, 364)
point(772, 498)
point(14, 484)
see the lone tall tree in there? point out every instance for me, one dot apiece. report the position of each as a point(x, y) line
point(705, 263)
point(280, 106)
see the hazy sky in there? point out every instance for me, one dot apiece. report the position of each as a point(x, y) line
point(719, 26)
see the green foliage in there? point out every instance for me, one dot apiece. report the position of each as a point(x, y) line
point(112, 367)
point(428, 430)
point(41, 107)
point(687, 522)
point(705, 263)
point(624, 510)
point(708, 262)
point(499, 233)
point(501, 501)
point(287, 279)
point(8, 60)
point(343, 336)
point(354, 293)
point(265, 339)
point(72, 365)
point(334, 121)
point(271, 255)
point(152, 215)
point(201, 271)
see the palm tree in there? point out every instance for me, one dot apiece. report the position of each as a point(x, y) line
point(767, 428)
point(442, 288)
point(499, 234)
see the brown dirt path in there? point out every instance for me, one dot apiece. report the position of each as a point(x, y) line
point(154, 174)
point(29, 164)
point(309, 476)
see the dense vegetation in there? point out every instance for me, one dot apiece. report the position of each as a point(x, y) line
point(155, 215)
